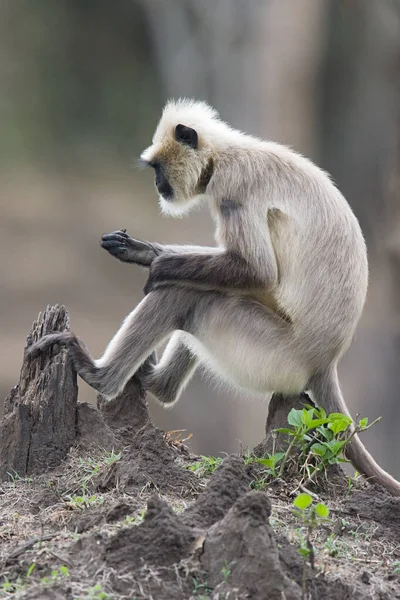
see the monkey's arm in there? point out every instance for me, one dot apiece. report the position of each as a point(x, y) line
point(127, 249)
point(240, 265)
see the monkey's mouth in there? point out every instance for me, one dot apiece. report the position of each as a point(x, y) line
point(166, 192)
point(162, 184)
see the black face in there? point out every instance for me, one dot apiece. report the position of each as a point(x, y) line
point(162, 183)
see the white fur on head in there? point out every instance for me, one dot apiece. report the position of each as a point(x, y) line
point(192, 113)
point(184, 170)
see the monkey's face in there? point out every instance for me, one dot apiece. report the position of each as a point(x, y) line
point(182, 167)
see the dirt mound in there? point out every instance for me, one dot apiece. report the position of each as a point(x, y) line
point(162, 539)
point(224, 543)
point(241, 555)
point(93, 431)
point(150, 462)
point(127, 413)
point(230, 481)
point(374, 502)
point(120, 515)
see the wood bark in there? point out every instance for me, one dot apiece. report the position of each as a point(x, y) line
point(39, 424)
point(43, 418)
point(278, 410)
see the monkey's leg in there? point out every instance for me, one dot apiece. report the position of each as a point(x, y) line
point(238, 338)
point(167, 379)
point(156, 317)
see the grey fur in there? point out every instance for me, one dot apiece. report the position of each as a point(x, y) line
point(273, 307)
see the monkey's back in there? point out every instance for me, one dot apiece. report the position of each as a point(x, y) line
point(321, 253)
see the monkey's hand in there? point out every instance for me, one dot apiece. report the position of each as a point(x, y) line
point(127, 249)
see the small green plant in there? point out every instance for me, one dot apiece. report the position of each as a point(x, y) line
point(111, 457)
point(136, 520)
point(91, 467)
point(200, 587)
point(396, 568)
point(55, 576)
point(8, 587)
point(319, 440)
point(96, 593)
point(226, 571)
point(312, 516)
point(206, 466)
point(14, 476)
point(331, 545)
point(80, 502)
point(270, 463)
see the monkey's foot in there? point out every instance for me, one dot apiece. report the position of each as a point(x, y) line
point(48, 341)
point(79, 354)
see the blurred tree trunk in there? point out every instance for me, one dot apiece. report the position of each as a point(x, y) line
point(359, 145)
point(235, 54)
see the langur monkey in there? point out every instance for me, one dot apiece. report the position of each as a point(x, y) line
point(272, 308)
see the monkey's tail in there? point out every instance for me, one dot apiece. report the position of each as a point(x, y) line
point(326, 391)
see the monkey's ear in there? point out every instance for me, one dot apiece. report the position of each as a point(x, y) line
point(187, 136)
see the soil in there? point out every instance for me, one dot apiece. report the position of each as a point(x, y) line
point(125, 517)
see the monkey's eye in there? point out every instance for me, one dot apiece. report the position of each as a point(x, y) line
point(187, 136)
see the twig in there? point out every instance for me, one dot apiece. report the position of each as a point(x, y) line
point(307, 491)
point(28, 545)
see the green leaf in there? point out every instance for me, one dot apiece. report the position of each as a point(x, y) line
point(321, 510)
point(284, 430)
point(325, 432)
point(335, 446)
point(302, 501)
point(319, 449)
point(338, 422)
point(295, 417)
point(363, 422)
point(304, 551)
point(320, 413)
point(338, 416)
point(307, 416)
point(278, 456)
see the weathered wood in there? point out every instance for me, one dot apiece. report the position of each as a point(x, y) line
point(39, 424)
point(278, 410)
point(43, 418)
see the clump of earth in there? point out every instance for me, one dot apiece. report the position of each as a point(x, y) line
point(143, 520)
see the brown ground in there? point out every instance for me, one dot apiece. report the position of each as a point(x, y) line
point(138, 524)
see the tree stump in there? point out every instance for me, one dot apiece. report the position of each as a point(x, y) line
point(278, 410)
point(39, 424)
point(43, 419)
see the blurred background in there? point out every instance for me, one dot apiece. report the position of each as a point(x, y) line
point(82, 85)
